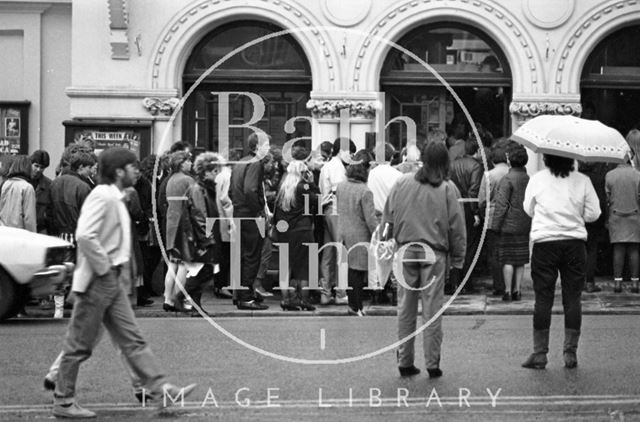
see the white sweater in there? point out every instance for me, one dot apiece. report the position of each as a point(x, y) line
point(560, 206)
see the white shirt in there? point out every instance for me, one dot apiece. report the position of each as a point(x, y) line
point(381, 180)
point(559, 206)
point(331, 175)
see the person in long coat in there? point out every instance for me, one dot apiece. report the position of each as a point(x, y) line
point(622, 186)
point(292, 214)
point(356, 223)
point(179, 233)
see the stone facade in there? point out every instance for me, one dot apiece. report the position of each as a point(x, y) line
point(125, 65)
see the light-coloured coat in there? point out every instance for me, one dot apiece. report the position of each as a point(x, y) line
point(100, 235)
point(18, 204)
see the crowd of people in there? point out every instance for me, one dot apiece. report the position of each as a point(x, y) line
point(223, 224)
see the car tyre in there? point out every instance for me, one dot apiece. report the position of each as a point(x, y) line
point(8, 296)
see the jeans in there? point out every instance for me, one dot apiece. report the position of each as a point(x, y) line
point(104, 302)
point(417, 275)
point(547, 259)
point(329, 261)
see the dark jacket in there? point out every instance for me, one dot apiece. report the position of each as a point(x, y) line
point(509, 216)
point(202, 205)
point(247, 190)
point(300, 216)
point(68, 192)
point(466, 173)
point(179, 230)
point(138, 219)
point(44, 204)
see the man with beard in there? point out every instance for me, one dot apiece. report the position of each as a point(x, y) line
point(104, 247)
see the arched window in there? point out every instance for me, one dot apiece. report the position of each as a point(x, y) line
point(610, 82)
point(276, 69)
point(469, 61)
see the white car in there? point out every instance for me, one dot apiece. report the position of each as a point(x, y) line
point(31, 266)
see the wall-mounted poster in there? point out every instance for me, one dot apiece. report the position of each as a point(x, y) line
point(132, 135)
point(14, 127)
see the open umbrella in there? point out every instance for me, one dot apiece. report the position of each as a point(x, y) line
point(568, 136)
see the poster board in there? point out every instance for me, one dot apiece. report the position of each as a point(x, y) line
point(14, 127)
point(132, 135)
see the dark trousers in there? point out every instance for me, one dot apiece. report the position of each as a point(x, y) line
point(221, 279)
point(250, 255)
point(195, 285)
point(547, 259)
point(151, 256)
point(622, 250)
point(357, 280)
point(492, 257)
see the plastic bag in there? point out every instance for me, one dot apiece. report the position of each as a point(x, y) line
point(383, 251)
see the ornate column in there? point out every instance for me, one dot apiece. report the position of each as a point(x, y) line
point(349, 116)
point(161, 109)
point(523, 108)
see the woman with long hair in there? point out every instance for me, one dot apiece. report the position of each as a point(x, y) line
point(559, 201)
point(356, 222)
point(622, 187)
point(294, 227)
point(427, 223)
point(17, 197)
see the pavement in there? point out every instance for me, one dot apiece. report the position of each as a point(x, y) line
point(481, 303)
point(338, 369)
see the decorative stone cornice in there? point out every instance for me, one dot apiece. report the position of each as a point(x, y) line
point(330, 109)
point(287, 11)
point(482, 8)
point(118, 26)
point(524, 111)
point(609, 11)
point(165, 106)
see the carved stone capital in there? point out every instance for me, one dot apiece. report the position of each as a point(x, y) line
point(330, 109)
point(164, 106)
point(524, 111)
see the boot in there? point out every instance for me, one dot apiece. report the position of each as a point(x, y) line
point(571, 337)
point(538, 359)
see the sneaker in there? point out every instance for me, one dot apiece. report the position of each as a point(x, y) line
point(342, 300)
point(326, 300)
point(72, 411)
point(58, 314)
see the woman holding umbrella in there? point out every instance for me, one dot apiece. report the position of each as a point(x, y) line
point(559, 200)
point(622, 186)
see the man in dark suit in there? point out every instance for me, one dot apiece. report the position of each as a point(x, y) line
point(104, 248)
point(247, 195)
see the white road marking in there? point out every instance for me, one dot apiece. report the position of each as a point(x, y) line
point(506, 403)
point(322, 339)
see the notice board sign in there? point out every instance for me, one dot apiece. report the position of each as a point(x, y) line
point(14, 127)
point(132, 135)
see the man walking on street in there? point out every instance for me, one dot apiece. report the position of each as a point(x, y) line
point(104, 246)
